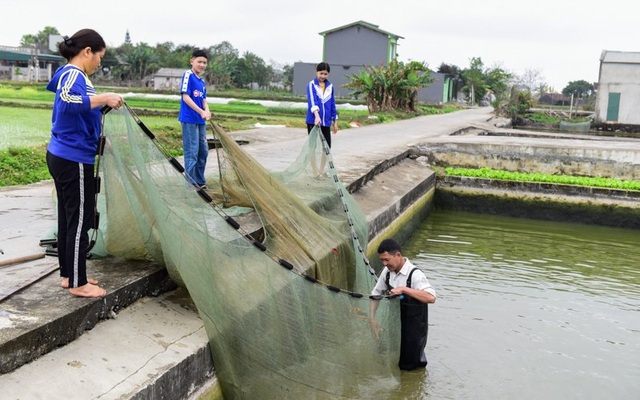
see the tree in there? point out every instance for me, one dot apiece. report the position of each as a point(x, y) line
point(241, 75)
point(532, 81)
point(171, 57)
point(277, 77)
point(497, 79)
point(544, 88)
point(287, 77)
point(28, 40)
point(223, 62)
point(579, 89)
point(260, 72)
point(475, 84)
point(520, 101)
point(250, 69)
point(142, 61)
point(40, 39)
point(391, 87)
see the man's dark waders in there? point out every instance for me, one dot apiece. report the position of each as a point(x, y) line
point(414, 323)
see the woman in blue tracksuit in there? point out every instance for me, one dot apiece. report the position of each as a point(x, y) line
point(321, 101)
point(72, 151)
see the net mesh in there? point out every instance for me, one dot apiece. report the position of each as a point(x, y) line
point(274, 262)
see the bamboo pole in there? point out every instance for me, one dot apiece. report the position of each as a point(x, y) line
point(19, 260)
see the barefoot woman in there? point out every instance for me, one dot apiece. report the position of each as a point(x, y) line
point(71, 154)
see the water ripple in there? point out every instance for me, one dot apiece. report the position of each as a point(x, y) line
point(524, 301)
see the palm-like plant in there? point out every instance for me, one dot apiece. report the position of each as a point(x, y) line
point(391, 87)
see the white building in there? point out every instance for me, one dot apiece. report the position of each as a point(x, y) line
point(618, 95)
point(168, 79)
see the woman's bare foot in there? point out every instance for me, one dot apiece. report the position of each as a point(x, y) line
point(65, 282)
point(88, 290)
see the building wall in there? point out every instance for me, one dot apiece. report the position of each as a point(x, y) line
point(347, 51)
point(166, 83)
point(623, 77)
point(167, 79)
point(435, 92)
point(302, 74)
point(26, 74)
point(356, 45)
point(339, 75)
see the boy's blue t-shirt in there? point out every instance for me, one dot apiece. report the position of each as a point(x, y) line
point(75, 127)
point(196, 88)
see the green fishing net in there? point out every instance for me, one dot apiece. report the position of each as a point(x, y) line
point(274, 261)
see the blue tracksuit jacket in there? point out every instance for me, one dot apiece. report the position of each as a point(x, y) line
point(325, 103)
point(75, 126)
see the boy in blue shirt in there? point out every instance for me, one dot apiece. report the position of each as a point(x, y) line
point(194, 111)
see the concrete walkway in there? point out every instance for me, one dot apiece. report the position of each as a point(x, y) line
point(146, 339)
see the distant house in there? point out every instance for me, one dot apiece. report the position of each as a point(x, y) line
point(359, 43)
point(349, 48)
point(168, 79)
point(553, 99)
point(618, 94)
point(27, 64)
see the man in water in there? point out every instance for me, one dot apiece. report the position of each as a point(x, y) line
point(401, 278)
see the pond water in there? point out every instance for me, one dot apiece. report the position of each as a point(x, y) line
point(528, 309)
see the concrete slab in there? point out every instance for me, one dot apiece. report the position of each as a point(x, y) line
point(43, 316)
point(154, 347)
point(28, 214)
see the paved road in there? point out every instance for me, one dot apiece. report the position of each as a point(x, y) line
point(355, 150)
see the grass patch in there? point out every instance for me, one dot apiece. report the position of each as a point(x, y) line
point(24, 127)
point(168, 132)
point(23, 165)
point(488, 173)
point(430, 109)
point(545, 118)
point(26, 92)
point(161, 104)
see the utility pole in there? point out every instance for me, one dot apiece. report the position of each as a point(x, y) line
point(35, 65)
point(571, 106)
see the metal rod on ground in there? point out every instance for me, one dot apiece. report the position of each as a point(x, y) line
point(6, 293)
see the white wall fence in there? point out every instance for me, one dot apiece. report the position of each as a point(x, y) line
point(25, 74)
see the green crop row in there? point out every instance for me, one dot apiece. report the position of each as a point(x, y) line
point(488, 173)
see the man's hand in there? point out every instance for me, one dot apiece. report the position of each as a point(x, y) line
point(420, 295)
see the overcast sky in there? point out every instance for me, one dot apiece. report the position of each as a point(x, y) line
point(562, 39)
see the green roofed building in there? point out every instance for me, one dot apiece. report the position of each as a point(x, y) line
point(27, 64)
